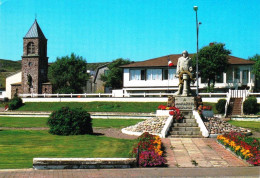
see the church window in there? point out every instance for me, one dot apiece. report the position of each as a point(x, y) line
point(31, 48)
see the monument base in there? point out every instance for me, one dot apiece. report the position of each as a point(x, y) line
point(186, 103)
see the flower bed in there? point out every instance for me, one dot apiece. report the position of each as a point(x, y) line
point(247, 148)
point(149, 150)
point(173, 111)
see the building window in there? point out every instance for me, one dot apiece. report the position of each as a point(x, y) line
point(237, 74)
point(154, 74)
point(135, 74)
point(143, 74)
point(172, 73)
point(165, 74)
point(219, 78)
point(229, 75)
point(31, 48)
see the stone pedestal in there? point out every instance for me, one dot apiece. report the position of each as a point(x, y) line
point(185, 102)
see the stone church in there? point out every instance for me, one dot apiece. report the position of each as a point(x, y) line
point(33, 77)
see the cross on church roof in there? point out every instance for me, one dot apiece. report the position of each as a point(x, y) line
point(35, 31)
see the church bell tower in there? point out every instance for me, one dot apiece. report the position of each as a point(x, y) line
point(34, 60)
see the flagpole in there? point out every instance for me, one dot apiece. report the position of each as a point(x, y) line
point(168, 73)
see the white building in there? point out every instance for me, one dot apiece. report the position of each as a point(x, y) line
point(154, 75)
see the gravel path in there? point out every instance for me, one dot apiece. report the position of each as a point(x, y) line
point(113, 132)
point(108, 132)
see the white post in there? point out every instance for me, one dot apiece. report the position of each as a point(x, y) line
point(85, 95)
point(71, 95)
point(99, 95)
point(57, 95)
point(144, 94)
point(44, 95)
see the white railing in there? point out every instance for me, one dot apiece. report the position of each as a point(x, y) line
point(253, 94)
point(203, 129)
point(85, 95)
point(227, 102)
point(213, 94)
point(34, 95)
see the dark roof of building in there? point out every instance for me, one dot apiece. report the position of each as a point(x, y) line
point(163, 61)
point(237, 60)
point(35, 31)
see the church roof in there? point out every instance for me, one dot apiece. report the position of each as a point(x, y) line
point(35, 31)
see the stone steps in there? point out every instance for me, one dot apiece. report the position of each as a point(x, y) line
point(185, 129)
point(189, 121)
point(185, 136)
point(184, 132)
point(185, 125)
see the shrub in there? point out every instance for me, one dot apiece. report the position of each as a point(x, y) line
point(70, 121)
point(250, 105)
point(15, 103)
point(220, 106)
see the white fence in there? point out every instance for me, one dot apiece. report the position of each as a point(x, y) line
point(130, 97)
point(86, 95)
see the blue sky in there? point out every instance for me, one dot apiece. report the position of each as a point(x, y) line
point(104, 30)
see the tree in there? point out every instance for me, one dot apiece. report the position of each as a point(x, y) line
point(213, 60)
point(256, 68)
point(68, 74)
point(114, 77)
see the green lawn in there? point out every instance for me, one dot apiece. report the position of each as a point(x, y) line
point(27, 122)
point(18, 148)
point(146, 107)
point(255, 126)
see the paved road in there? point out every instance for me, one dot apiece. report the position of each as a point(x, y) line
point(136, 172)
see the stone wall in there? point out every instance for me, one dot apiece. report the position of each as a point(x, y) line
point(47, 88)
point(16, 89)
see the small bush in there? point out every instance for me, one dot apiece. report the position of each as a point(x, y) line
point(250, 105)
point(15, 103)
point(70, 121)
point(220, 106)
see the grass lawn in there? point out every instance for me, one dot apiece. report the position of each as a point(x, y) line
point(18, 148)
point(94, 106)
point(27, 122)
point(255, 126)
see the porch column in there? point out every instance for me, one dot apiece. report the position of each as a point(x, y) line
point(224, 77)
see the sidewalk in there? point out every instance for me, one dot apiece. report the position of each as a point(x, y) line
point(136, 172)
point(199, 152)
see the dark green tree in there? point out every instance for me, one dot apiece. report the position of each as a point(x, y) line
point(213, 60)
point(114, 77)
point(68, 74)
point(256, 68)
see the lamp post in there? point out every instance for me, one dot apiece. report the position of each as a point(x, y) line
point(197, 68)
